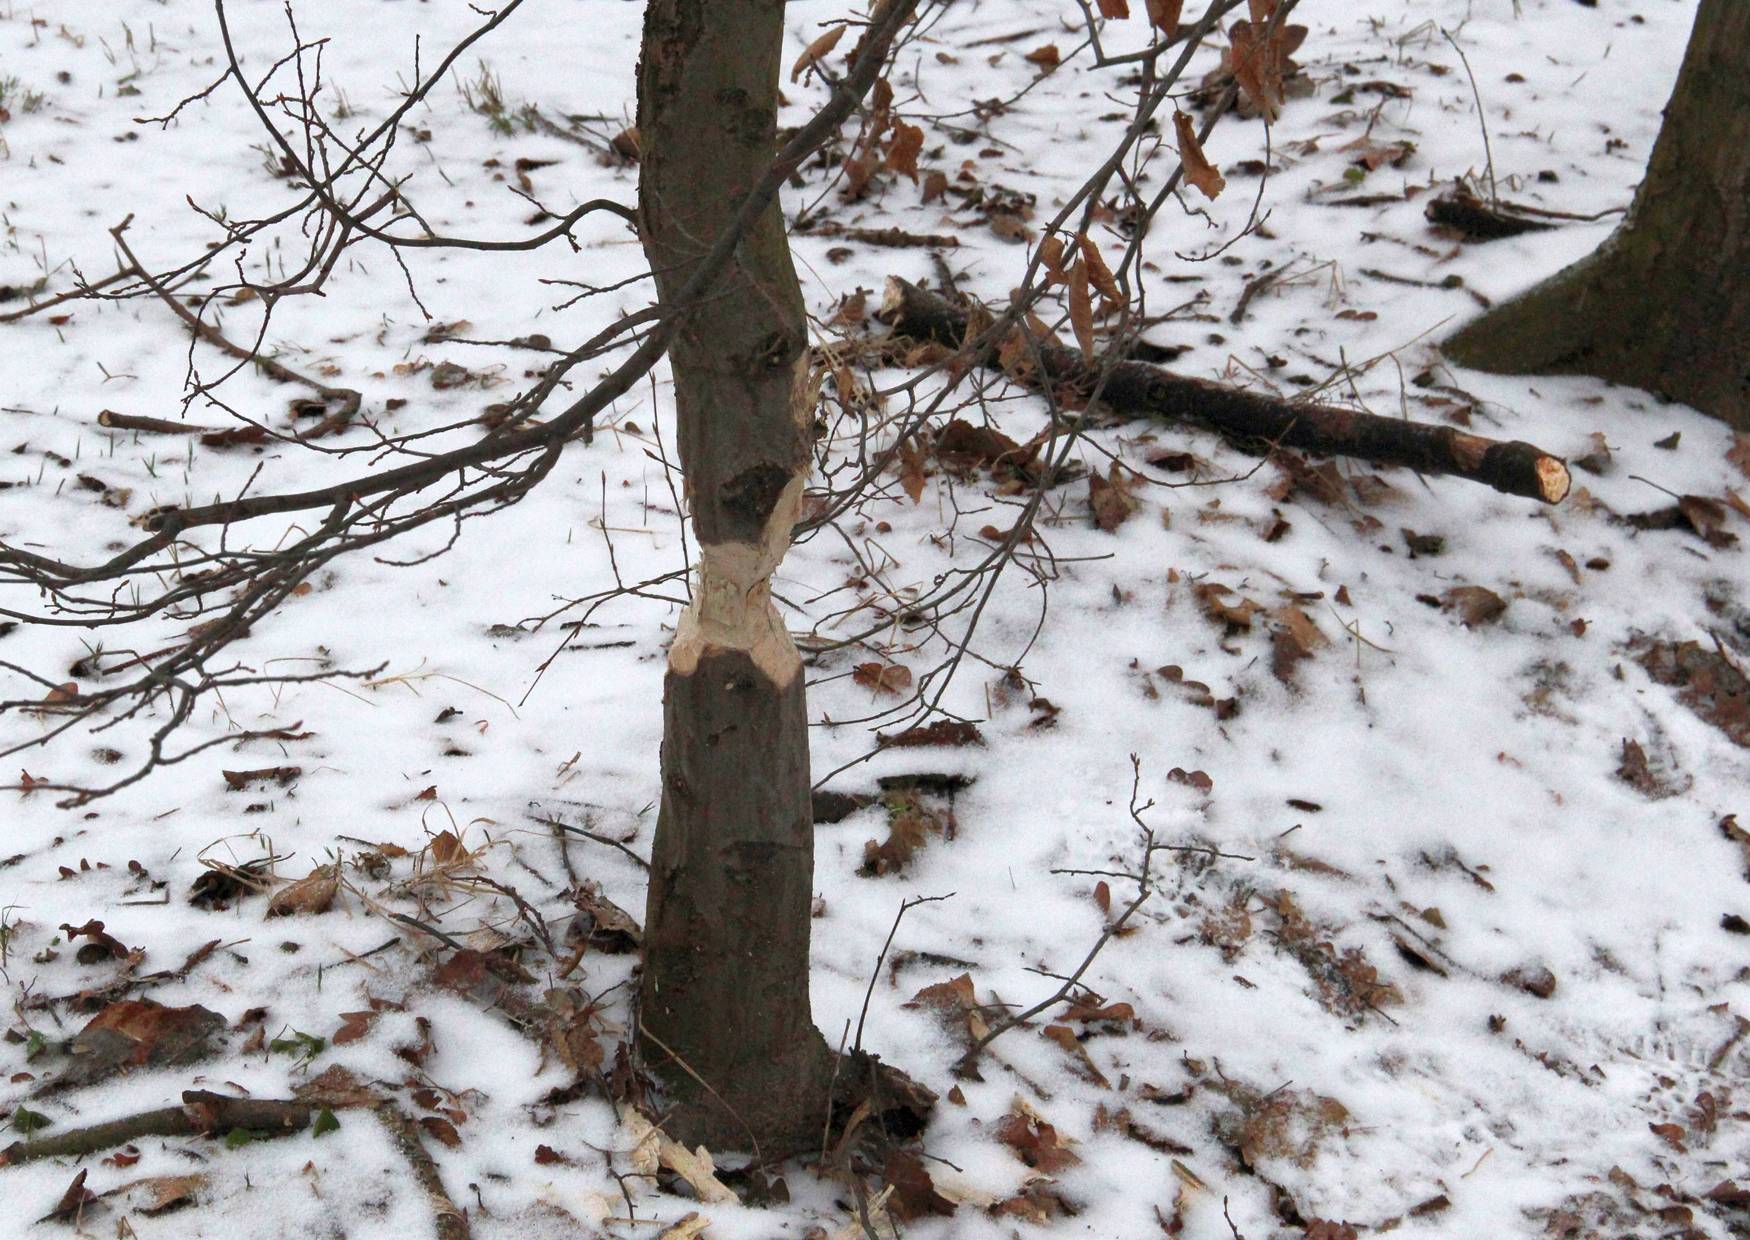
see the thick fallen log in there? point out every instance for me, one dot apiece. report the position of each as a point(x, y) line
point(1258, 419)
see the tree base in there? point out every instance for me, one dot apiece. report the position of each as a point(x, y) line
point(724, 1023)
point(774, 1109)
point(1608, 318)
point(1544, 330)
point(1664, 304)
point(813, 1099)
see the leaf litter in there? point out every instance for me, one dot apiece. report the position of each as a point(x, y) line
point(1455, 825)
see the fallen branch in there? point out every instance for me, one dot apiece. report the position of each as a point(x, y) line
point(112, 420)
point(207, 1114)
point(1475, 220)
point(76, 293)
point(892, 238)
point(202, 1113)
point(452, 1224)
point(567, 829)
point(337, 405)
point(1139, 389)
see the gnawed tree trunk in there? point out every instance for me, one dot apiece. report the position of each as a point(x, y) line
point(1664, 304)
point(724, 999)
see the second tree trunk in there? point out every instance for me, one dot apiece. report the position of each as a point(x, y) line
point(1664, 304)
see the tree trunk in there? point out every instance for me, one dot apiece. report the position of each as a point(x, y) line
point(1664, 304)
point(724, 999)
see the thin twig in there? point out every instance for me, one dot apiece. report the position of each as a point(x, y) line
point(875, 973)
point(1482, 121)
point(599, 838)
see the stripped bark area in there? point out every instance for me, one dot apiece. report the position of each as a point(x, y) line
point(724, 997)
point(1664, 304)
point(1138, 389)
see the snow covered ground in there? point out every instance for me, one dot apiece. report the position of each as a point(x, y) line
point(1463, 969)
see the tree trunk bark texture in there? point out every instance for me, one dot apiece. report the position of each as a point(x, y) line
point(724, 997)
point(1664, 304)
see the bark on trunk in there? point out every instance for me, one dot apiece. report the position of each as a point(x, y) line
point(1664, 304)
point(724, 998)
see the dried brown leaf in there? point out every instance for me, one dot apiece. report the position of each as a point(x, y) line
point(606, 926)
point(956, 1004)
point(914, 1192)
point(353, 1027)
point(441, 1130)
point(911, 469)
point(1475, 605)
point(1199, 172)
point(1225, 606)
point(1295, 638)
point(903, 149)
point(893, 678)
point(946, 732)
point(1084, 1066)
point(335, 1087)
point(73, 1201)
point(1033, 1140)
point(313, 893)
point(1635, 771)
point(447, 849)
point(1257, 63)
point(1081, 307)
point(1534, 980)
point(237, 781)
point(1739, 453)
point(1099, 274)
point(1051, 258)
point(160, 1194)
point(816, 51)
point(1110, 498)
point(1706, 517)
point(961, 444)
point(1163, 15)
point(909, 827)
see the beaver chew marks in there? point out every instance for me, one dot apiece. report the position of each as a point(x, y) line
point(732, 605)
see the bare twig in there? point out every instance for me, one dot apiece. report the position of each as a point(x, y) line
point(904, 908)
